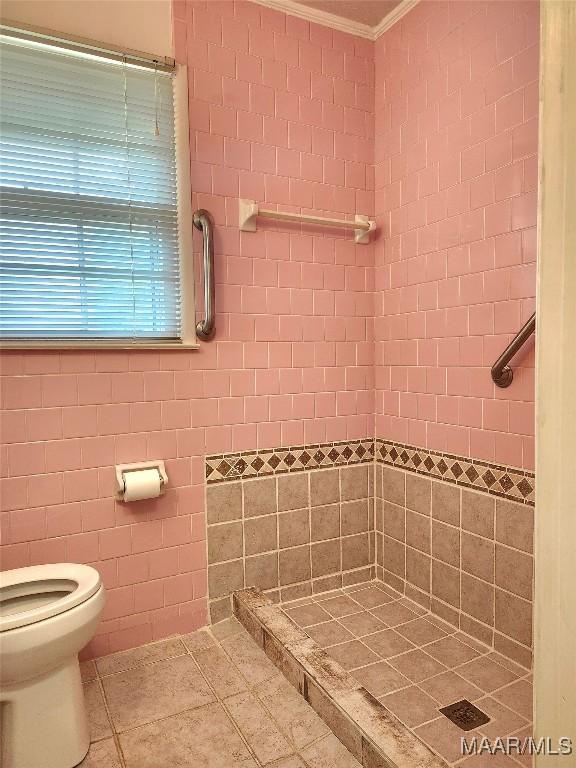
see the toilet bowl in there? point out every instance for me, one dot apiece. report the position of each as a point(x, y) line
point(48, 613)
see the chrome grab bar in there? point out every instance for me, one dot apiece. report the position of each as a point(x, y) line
point(202, 220)
point(502, 374)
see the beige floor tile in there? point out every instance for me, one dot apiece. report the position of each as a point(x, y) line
point(394, 613)
point(371, 597)
point(421, 631)
point(288, 762)
point(226, 628)
point(88, 671)
point(518, 697)
point(100, 727)
point(444, 737)
point(250, 659)
point(503, 721)
point(258, 728)
point(353, 654)
point(102, 754)
point(486, 674)
point(449, 687)
point(380, 678)
point(203, 738)
point(361, 624)
point(417, 665)
point(299, 721)
point(388, 643)
point(144, 654)
point(199, 640)
point(451, 651)
point(526, 760)
point(306, 615)
point(329, 753)
point(412, 706)
point(329, 633)
point(148, 693)
point(340, 606)
point(489, 761)
point(220, 672)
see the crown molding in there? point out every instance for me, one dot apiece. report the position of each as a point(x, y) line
point(333, 21)
point(319, 17)
point(394, 16)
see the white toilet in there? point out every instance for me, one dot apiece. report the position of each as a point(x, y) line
point(48, 613)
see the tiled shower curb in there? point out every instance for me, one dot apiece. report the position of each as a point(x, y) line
point(371, 733)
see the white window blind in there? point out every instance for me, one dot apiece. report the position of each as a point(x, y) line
point(89, 211)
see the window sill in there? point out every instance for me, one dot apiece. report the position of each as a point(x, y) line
point(95, 345)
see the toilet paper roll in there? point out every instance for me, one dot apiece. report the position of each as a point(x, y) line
point(141, 484)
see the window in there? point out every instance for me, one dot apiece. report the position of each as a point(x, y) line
point(89, 244)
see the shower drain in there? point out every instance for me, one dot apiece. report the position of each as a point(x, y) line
point(465, 715)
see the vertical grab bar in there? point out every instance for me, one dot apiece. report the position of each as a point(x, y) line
point(203, 221)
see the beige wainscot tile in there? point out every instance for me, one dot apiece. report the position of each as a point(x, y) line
point(224, 542)
point(325, 522)
point(260, 534)
point(293, 528)
point(259, 497)
point(354, 482)
point(324, 487)
point(445, 502)
point(293, 491)
point(294, 565)
point(418, 493)
point(224, 502)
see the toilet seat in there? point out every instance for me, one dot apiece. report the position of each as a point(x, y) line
point(70, 585)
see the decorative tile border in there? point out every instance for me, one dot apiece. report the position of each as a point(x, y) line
point(506, 482)
point(277, 461)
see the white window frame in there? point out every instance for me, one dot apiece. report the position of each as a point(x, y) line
point(188, 339)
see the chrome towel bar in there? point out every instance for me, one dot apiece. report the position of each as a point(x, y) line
point(203, 221)
point(502, 374)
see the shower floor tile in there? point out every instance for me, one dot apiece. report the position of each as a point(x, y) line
point(211, 699)
point(422, 664)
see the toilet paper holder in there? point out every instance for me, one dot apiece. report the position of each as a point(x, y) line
point(123, 469)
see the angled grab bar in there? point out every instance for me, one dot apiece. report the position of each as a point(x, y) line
point(202, 220)
point(502, 374)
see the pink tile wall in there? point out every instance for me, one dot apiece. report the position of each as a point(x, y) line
point(281, 111)
point(456, 176)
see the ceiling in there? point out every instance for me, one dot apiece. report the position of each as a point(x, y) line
point(370, 12)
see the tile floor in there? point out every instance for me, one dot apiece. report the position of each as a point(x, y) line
point(211, 699)
point(414, 663)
